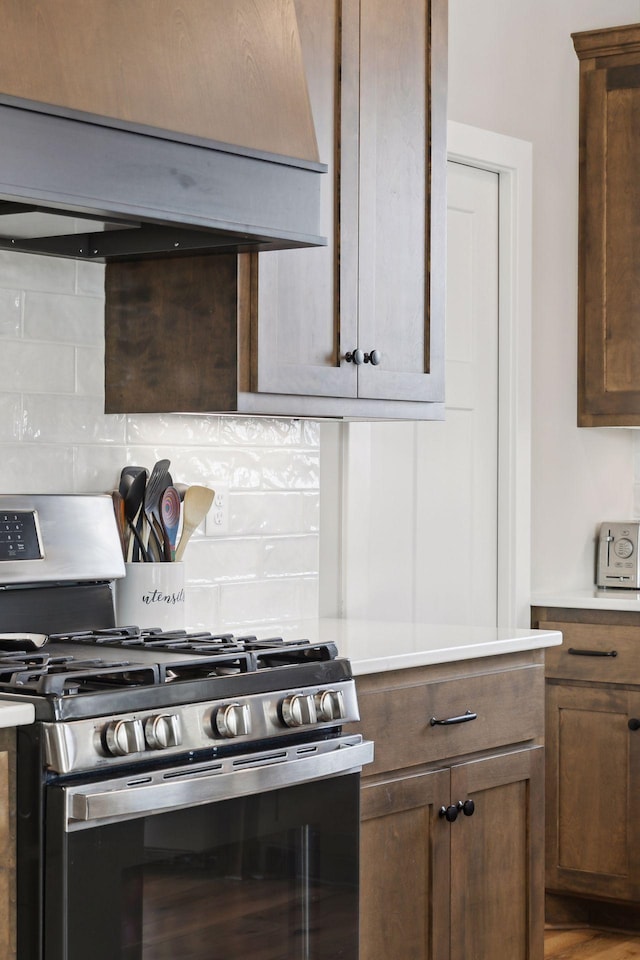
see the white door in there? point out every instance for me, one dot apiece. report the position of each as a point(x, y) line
point(419, 500)
point(457, 465)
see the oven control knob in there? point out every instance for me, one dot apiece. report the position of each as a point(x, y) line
point(330, 705)
point(164, 730)
point(298, 710)
point(124, 736)
point(233, 720)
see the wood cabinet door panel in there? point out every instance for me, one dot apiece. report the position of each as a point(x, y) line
point(404, 869)
point(379, 283)
point(593, 777)
point(306, 301)
point(609, 275)
point(497, 858)
point(401, 59)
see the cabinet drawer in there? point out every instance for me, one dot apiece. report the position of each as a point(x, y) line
point(592, 651)
point(508, 706)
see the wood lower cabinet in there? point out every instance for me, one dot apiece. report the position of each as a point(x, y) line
point(404, 868)
point(592, 766)
point(297, 332)
point(7, 846)
point(469, 887)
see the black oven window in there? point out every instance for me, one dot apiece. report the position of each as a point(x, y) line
point(267, 877)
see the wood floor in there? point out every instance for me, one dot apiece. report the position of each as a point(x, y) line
point(590, 945)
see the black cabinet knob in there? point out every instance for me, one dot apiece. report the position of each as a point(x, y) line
point(449, 813)
point(467, 807)
point(634, 724)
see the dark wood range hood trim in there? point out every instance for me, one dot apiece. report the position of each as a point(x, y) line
point(182, 193)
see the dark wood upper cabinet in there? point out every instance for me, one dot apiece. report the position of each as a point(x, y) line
point(609, 231)
point(376, 77)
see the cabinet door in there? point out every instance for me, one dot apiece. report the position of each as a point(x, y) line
point(593, 779)
point(609, 264)
point(379, 283)
point(304, 302)
point(497, 882)
point(402, 198)
point(404, 869)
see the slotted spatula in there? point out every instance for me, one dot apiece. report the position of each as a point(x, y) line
point(158, 481)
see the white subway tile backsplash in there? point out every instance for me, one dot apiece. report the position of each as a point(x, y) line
point(63, 318)
point(173, 429)
point(224, 559)
point(282, 470)
point(256, 431)
point(11, 303)
point(70, 420)
point(202, 607)
point(10, 417)
point(90, 371)
point(55, 437)
point(261, 513)
point(37, 367)
point(262, 602)
point(89, 279)
point(25, 271)
point(311, 512)
point(36, 468)
point(97, 467)
point(291, 557)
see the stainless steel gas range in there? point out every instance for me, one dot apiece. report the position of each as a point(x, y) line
point(180, 794)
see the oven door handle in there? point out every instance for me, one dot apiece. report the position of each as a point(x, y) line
point(183, 787)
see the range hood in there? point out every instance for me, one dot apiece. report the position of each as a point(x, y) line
point(106, 184)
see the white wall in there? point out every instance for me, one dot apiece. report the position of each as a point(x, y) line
point(54, 437)
point(513, 70)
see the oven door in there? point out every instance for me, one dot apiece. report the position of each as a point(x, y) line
point(253, 856)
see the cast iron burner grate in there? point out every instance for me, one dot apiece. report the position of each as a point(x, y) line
point(42, 674)
point(156, 658)
point(270, 652)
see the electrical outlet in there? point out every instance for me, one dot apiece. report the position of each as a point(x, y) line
point(216, 523)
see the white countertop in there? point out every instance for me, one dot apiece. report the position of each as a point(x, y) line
point(591, 599)
point(374, 646)
point(15, 714)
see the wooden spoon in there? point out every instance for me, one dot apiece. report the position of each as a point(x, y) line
point(197, 502)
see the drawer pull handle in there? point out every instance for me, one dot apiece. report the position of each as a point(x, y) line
point(592, 653)
point(465, 718)
point(634, 724)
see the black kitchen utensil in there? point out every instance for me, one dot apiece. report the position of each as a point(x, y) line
point(158, 482)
